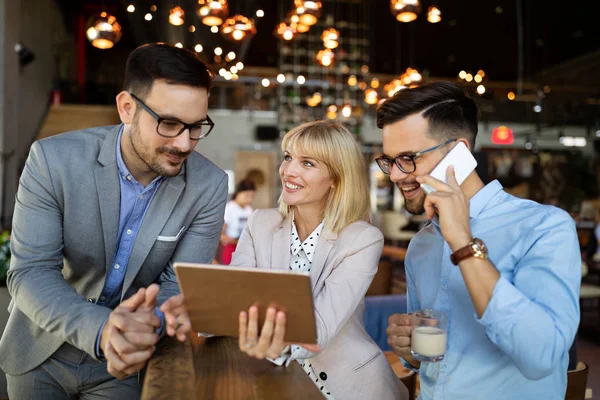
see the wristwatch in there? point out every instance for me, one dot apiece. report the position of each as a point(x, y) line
point(475, 248)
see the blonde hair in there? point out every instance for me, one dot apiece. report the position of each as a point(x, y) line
point(333, 145)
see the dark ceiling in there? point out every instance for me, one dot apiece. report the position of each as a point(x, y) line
point(473, 34)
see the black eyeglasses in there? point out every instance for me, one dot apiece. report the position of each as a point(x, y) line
point(406, 162)
point(171, 128)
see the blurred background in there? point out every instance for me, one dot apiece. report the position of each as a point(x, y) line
point(532, 66)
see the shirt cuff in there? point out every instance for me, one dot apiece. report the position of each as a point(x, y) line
point(160, 315)
point(284, 358)
point(408, 365)
point(99, 353)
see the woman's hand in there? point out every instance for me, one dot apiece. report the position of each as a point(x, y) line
point(271, 341)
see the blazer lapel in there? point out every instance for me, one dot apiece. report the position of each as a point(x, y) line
point(109, 193)
point(322, 250)
point(155, 219)
point(280, 245)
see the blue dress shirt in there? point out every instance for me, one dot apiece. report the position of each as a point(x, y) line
point(135, 199)
point(519, 348)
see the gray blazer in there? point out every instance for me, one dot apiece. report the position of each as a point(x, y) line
point(351, 364)
point(64, 239)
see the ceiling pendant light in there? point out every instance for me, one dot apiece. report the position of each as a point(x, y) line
point(103, 31)
point(325, 57)
point(405, 10)
point(212, 12)
point(294, 21)
point(238, 28)
point(285, 31)
point(330, 38)
point(176, 16)
point(434, 15)
point(308, 11)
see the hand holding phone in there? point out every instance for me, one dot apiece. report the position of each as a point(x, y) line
point(463, 161)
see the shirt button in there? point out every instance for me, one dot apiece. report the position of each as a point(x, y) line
point(128, 177)
point(141, 196)
point(444, 282)
point(91, 300)
point(117, 266)
point(102, 298)
point(443, 367)
point(129, 231)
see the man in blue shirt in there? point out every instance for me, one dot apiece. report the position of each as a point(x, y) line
point(101, 215)
point(506, 270)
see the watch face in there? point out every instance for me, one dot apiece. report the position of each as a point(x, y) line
point(479, 248)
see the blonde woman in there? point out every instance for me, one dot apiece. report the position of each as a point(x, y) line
point(321, 227)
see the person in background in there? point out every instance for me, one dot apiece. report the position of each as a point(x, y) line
point(322, 228)
point(507, 271)
point(101, 214)
point(237, 212)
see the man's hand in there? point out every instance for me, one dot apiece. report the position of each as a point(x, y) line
point(399, 332)
point(452, 206)
point(176, 317)
point(128, 337)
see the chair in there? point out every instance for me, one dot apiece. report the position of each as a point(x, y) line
point(377, 311)
point(577, 382)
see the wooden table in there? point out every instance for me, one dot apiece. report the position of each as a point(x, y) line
point(215, 368)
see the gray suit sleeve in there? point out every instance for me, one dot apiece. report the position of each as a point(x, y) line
point(35, 280)
point(199, 244)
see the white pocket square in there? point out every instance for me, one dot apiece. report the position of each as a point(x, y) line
point(171, 238)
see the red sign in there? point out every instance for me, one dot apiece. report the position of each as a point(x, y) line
point(502, 135)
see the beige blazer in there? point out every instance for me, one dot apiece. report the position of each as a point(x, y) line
point(351, 365)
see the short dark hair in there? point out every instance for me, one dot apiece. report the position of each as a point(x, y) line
point(448, 110)
point(244, 186)
point(154, 61)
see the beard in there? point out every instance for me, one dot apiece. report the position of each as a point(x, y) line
point(415, 205)
point(151, 157)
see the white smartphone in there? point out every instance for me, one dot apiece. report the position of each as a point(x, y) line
point(463, 161)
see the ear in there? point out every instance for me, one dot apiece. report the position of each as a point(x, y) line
point(126, 107)
point(466, 142)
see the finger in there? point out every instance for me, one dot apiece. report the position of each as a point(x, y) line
point(252, 333)
point(114, 365)
point(429, 205)
point(146, 317)
point(243, 328)
point(133, 323)
point(132, 303)
point(279, 332)
point(266, 334)
point(398, 331)
point(138, 357)
point(184, 329)
point(172, 303)
point(433, 182)
point(451, 177)
point(134, 368)
point(400, 320)
point(120, 345)
point(150, 297)
point(141, 340)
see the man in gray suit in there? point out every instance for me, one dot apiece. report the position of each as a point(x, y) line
point(101, 215)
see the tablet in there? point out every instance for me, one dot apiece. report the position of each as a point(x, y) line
point(215, 295)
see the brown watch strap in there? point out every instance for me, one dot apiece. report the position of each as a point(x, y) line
point(462, 253)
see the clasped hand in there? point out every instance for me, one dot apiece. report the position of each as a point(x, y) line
point(130, 334)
